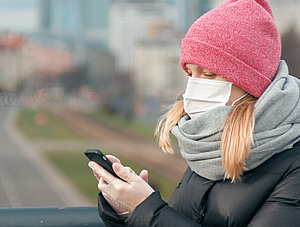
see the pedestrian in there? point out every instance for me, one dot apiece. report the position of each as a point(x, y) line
point(238, 128)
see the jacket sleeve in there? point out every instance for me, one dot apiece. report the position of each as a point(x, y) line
point(153, 211)
point(282, 207)
point(108, 215)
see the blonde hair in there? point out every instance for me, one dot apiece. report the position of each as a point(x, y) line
point(236, 139)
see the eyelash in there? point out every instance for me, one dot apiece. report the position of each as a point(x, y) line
point(207, 75)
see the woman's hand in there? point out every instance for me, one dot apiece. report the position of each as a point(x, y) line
point(121, 211)
point(122, 196)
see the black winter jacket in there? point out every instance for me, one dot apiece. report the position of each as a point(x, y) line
point(268, 195)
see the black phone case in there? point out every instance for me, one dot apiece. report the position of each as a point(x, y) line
point(98, 157)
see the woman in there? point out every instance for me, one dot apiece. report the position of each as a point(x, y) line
point(238, 127)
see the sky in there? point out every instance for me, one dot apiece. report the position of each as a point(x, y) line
point(18, 15)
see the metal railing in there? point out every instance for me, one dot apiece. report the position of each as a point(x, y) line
point(50, 216)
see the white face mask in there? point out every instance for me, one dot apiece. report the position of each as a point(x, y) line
point(204, 94)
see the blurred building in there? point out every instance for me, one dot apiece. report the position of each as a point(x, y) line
point(157, 72)
point(145, 38)
point(51, 61)
point(114, 40)
point(187, 11)
point(76, 31)
point(129, 22)
point(15, 61)
point(86, 18)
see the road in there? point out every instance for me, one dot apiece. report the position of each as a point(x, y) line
point(26, 179)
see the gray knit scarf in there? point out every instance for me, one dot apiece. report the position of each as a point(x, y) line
point(277, 128)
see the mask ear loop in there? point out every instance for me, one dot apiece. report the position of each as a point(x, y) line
point(239, 99)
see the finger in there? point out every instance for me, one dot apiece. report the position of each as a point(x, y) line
point(102, 172)
point(129, 169)
point(102, 185)
point(144, 175)
point(102, 181)
point(125, 173)
point(95, 174)
point(113, 159)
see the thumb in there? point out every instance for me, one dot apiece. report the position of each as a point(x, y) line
point(125, 173)
point(144, 175)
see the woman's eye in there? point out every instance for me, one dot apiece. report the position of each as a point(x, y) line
point(209, 75)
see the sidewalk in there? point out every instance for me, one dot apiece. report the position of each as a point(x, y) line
point(49, 187)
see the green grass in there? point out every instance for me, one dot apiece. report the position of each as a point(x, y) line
point(74, 166)
point(41, 124)
point(124, 125)
point(128, 126)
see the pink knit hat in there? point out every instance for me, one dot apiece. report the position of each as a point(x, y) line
point(237, 40)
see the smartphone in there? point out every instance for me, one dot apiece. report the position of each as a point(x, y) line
point(98, 157)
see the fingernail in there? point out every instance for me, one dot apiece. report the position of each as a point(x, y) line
point(91, 165)
point(116, 165)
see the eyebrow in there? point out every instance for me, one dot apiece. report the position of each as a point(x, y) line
point(199, 67)
point(196, 66)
